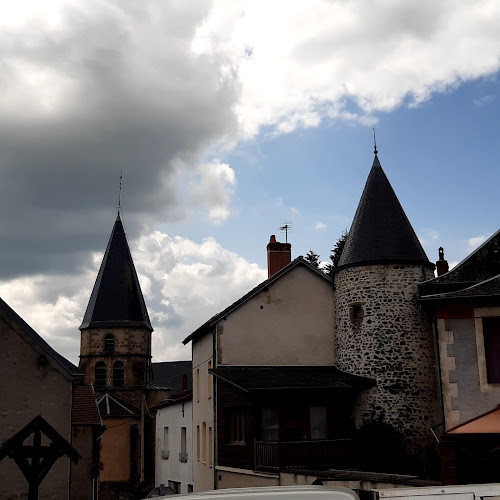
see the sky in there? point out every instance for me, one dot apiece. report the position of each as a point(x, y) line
point(224, 119)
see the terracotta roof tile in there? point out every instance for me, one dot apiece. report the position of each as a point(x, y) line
point(85, 411)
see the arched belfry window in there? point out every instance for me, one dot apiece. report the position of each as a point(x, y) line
point(118, 374)
point(109, 344)
point(100, 374)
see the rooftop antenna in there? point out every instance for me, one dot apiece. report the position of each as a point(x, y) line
point(286, 225)
point(374, 142)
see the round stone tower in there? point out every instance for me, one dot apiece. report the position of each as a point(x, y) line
point(381, 331)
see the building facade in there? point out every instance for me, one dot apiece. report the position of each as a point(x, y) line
point(309, 370)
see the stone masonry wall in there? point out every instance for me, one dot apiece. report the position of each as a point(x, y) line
point(132, 346)
point(382, 333)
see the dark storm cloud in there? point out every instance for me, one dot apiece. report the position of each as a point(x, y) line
point(112, 88)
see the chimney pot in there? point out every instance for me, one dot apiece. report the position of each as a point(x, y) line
point(278, 255)
point(442, 264)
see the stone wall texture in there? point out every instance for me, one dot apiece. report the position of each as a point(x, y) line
point(392, 343)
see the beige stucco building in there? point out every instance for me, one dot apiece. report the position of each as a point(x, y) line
point(36, 381)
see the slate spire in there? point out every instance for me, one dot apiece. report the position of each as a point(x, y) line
point(116, 299)
point(381, 232)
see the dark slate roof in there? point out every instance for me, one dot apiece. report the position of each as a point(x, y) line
point(23, 329)
point(116, 299)
point(299, 261)
point(169, 374)
point(380, 231)
point(487, 288)
point(85, 410)
point(480, 266)
point(111, 406)
point(250, 378)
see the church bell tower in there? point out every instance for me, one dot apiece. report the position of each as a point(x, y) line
point(115, 351)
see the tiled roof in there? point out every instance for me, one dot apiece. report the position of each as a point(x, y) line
point(170, 374)
point(380, 231)
point(116, 300)
point(22, 328)
point(299, 261)
point(85, 411)
point(251, 378)
point(481, 266)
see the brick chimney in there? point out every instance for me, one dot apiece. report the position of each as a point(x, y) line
point(278, 255)
point(442, 264)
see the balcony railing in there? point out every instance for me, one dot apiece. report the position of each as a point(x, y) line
point(272, 455)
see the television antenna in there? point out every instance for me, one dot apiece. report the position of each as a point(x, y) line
point(285, 226)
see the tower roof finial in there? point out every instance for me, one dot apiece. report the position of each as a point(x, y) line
point(120, 192)
point(374, 142)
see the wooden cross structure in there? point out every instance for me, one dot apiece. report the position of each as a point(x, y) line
point(35, 460)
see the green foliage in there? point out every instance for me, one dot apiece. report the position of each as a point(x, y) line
point(312, 258)
point(336, 252)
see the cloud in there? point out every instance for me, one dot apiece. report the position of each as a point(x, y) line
point(320, 226)
point(473, 243)
point(212, 186)
point(484, 101)
point(90, 90)
point(300, 63)
point(184, 284)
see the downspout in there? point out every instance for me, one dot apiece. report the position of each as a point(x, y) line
point(143, 402)
point(70, 436)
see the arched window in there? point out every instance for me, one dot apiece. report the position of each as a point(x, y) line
point(109, 344)
point(118, 374)
point(100, 374)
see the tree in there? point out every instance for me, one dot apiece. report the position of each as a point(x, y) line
point(312, 258)
point(335, 254)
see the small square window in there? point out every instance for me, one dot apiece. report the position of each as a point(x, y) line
point(356, 314)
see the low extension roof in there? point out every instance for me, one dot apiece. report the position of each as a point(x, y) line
point(252, 378)
point(25, 331)
point(477, 275)
point(111, 406)
point(116, 300)
point(381, 232)
point(299, 261)
point(170, 374)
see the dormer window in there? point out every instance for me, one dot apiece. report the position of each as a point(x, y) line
point(109, 344)
point(356, 314)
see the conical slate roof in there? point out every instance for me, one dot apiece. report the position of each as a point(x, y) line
point(116, 299)
point(380, 232)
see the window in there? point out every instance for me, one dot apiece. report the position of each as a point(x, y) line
point(165, 452)
point(175, 485)
point(197, 442)
point(118, 374)
point(210, 446)
point(317, 422)
point(491, 332)
point(234, 425)
point(269, 424)
point(109, 344)
point(183, 456)
point(100, 374)
point(190, 488)
point(356, 314)
point(204, 442)
point(209, 380)
point(197, 385)
point(185, 382)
